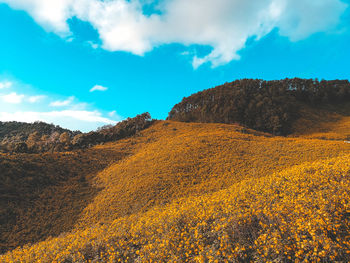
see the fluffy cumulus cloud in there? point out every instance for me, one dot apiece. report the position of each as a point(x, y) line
point(225, 25)
point(15, 98)
point(12, 98)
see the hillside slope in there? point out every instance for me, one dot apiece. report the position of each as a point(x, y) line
point(271, 106)
point(174, 160)
point(43, 195)
point(328, 123)
point(166, 163)
point(297, 215)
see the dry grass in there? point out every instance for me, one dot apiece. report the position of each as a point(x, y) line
point(191, 160)
point(332, 123)
point(193, 192)
point(43, 195)
point(297, 215)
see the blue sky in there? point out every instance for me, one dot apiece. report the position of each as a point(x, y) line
point(85, 63)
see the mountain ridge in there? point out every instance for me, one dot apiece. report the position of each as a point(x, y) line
point(269, 106)
point(40, 137)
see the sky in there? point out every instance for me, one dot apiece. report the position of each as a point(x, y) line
point(82, 64)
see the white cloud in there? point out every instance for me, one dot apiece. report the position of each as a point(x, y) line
point(112, 113)
point(52, 15)
point(62, 103)
point(71, 119)
point(225, 25)
point(99, 88)
point(77, 115)
point(304, 18)
point(5, 84)
point(35, 99)
point(12, 98)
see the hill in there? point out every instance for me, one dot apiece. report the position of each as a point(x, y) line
point(170, 191)
point(158, 180)
point(42, 195)
point(270, 106)
point(23, 130)
point(296, 215)
point(328, 123)
point(19, 136)
point(40, 137)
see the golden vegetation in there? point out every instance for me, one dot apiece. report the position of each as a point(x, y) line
point(193, 192)
point(327, 123)
point(298, 215)
point(43, 195)
point(194, 159)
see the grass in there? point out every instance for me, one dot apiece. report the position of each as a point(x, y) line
point(185, 192)
point(297, 215)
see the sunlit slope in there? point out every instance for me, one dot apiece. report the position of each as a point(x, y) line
point(297, 215)
point(173, 159)
point(168, 161)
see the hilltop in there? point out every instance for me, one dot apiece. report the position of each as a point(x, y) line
point(23, 130)
point(185, 191)
point(269, 106)
point(40, 137)
point(19, 136)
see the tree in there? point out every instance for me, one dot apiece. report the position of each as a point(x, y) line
point(33, 141)
point(65, 138)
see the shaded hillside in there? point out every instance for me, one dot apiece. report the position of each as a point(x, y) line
point(43, 195)
point(270, 106)
point(40, 137)
point(167, 161)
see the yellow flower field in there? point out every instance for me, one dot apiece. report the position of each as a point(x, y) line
point(186, 192)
